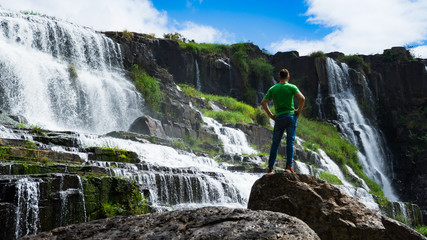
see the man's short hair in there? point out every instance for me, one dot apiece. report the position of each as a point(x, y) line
point(284, 73)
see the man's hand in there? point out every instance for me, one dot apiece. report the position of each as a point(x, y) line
point(301, 99)
point(273, 116)
point(297, 112)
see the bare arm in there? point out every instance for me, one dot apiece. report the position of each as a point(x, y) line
point(267, 109)
point(301, 99)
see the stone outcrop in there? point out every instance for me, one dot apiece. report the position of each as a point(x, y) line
point(149, 126)
point(204, 223)
point(328, 211)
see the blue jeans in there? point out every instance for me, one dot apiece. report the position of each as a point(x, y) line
point(283, 122)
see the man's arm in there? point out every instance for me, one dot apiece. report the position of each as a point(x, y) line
point(267, 109)
point(301, 99)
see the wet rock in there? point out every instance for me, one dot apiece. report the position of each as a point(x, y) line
point(204, 223)
point(148, 125)
point(328, 211)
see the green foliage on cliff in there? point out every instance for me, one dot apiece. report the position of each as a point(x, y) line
point(257, 69)
point(319, 54)
point(330, 178)
point(203, 48)
point(356, 62)
point(148, 86)
point(233, 110)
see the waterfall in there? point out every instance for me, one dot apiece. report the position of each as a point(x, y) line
point(319, 103)
point(354, 125)
point(63, 76)
point(27, 210)
point(234, 140)
point(198, 84)
point(176, 178)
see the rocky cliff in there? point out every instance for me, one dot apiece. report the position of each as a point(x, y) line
point(396, 80)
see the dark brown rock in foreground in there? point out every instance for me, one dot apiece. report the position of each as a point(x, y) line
point(203, 223)
point(328, 211)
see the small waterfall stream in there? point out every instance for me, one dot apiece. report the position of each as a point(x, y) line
point(27, 211)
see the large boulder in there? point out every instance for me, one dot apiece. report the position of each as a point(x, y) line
point(204, 223)
point(328, 211)
point(148, 126)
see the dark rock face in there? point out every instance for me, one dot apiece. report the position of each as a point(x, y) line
point(400, 88)
point(204, 223)
point(328, 211)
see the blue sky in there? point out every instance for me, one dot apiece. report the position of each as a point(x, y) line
point(348, 26)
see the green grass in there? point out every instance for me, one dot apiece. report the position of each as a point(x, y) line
point(318, 54)
point(330, 178)
point(148, 86)
point(205, 48)
point(226, 117)
point(421, 229)
point(234, 111)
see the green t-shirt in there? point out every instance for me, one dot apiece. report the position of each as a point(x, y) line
point(283, 97)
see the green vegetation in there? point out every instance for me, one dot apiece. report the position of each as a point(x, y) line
point(148, 86)
point(356, 62)
point(110, 196)
point(319, 54)
point(205, 48)
point(422, 230)
point(127, 35)
point(256, 69)
point(233, 110)
point(330, 178)
point(33, 13)
point(38, 130)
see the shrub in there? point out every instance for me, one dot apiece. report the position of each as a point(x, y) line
point(355, 62)
point(261, 69)
point(318, 54)
point(127, 35)
point(148, 86)
point(261, 117)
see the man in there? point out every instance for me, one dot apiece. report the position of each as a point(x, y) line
point(285, 118)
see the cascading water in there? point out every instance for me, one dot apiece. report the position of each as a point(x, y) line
point(354, 125)
point(63, 76)
point(178, 179)
point(27, 211)
point(198, 83)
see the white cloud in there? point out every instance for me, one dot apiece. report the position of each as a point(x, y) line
point(118, 15)
point(362, 26)
point(202, 33)
point(420, 51)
